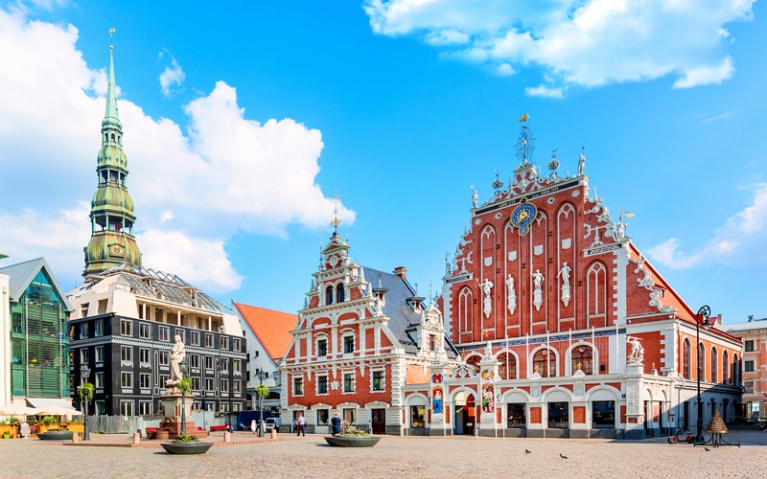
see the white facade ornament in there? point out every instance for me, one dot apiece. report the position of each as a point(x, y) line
point(489, 261)
point(538, 292)
point(512, 255)
point(565, 274)
point(177, 355)
point(637, 351)
point(487, 287)
point(567, 243)
point(511, 295)
point(474, 197)
point(581, 162)
point(538, 250)
point(488, 350)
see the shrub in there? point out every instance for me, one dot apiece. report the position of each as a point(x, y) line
point(184, 439)
point(49, 420)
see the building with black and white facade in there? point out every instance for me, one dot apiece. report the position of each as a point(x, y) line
point(123, 327)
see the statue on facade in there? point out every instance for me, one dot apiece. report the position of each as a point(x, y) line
point(487, 286)
point(538, 291)
point(581, 162)
point(637, 351)
point(511, 295)
point(177, 355)
point(474, 197)
point(565, 274)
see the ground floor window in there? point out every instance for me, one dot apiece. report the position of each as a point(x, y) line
point(417, 416)
point(236, 407)
point(559, 414)
point(126, 408)
point(210, 406)
point(101, 408)
point(516, 415)
point(349, 416)
point(144, 408)
point(322, 417)
point(603, 414)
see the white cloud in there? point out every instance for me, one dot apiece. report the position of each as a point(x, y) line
point(504, 69)
point(226, 173)
point(172, 75)
point(584, 42)
point(740, 242)
point(543, 91)
point(200, 262)
point(722, 116)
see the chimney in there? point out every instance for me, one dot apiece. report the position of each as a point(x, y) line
point(719, 319)
point(400, 271)
point(750, 317)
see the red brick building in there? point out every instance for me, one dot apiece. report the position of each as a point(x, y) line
point(563, 328)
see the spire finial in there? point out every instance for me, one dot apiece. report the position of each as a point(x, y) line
point(111, 106)
point(336, 222)
point(431, 293)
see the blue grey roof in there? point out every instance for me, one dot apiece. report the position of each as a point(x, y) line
point(745, 326)
point(22, 274)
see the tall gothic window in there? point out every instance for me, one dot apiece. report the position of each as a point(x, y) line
point(329, 295)
point(714, 366)
point(508, 367)
point(340, 292)
point(702, 361)
point(725, 368)
point(465, 306)
point(582, 357)
point(686, 359)
point(545, 363)
point(596, 305)
point(735, 370)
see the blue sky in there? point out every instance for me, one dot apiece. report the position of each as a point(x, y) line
point(399, 107)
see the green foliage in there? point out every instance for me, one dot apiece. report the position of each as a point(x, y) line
point(183, 439)
point(262, 391)
point(62, 429)
point(86, 392)
point(76, 420)
point(14, 420)
point(49, 420)
point(185, 386)
point(348, 430)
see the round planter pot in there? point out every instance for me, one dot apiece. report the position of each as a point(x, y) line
point(352, 441)
point(187, 448)
point(55, 436)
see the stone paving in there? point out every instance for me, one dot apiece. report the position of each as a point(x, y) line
point(400, 457)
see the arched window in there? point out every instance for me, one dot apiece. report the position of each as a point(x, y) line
point(686, 359)
point(340, 292)
point(714, 366)
point(582, 357)
point(113, 137)
point(508, 367)
point(329, 295)
point(545, 363)
point(735, 370)
point(702, 361)
point(596, 291)
point(725, 368)
point(473, 360)
point(465, 305)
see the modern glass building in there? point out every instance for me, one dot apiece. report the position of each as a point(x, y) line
point(39, 335)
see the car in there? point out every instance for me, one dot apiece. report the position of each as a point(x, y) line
point(272, 423)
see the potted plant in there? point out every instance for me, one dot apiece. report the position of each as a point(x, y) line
point(351, 437)
point(185, 443)
point(46, 423)
point(76, 425)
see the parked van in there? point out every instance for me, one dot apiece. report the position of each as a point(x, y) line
point(272, 423)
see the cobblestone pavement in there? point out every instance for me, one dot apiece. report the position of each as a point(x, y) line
point(397, 457)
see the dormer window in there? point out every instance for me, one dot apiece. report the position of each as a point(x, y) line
point(432, 343)
point(340, 293)
point(329, 295)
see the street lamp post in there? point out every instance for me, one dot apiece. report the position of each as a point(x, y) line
point(261, 375)
point(702, 317)
point(85, 373)
point(182, 367)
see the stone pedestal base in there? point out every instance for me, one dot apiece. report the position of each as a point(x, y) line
point(170, 427)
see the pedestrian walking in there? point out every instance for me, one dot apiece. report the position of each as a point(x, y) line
point(335, 423)
point(301, 425)
point(253, 426)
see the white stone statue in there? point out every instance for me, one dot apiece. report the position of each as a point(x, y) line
point(474, 197)
point(177, 355)
point(511, 295)
point(566, 290)
point(487, 287)
point(538, 292)
point(581, 162)
point(637, 351)
point(488, 350)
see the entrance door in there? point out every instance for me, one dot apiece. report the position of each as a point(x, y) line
point(686, 415)
point(469, 416)
point(379, 421)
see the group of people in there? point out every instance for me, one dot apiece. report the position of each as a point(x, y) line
point(299, 424)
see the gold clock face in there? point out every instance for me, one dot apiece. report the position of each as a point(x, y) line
point(116, 250)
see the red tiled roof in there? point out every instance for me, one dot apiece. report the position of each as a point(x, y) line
point(271, 327)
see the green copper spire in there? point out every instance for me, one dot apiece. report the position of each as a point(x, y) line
point(112, 218)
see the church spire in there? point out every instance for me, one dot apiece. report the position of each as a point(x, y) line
point(112, 240)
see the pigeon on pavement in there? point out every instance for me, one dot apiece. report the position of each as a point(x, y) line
point(562, 456)
point(527, 452)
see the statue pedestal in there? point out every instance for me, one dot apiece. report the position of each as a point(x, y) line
point(170, 427)
point(634, 411)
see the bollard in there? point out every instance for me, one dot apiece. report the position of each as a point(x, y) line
point(75, 438)
point(274, 433)
point(136, 439)
point(227, 436)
